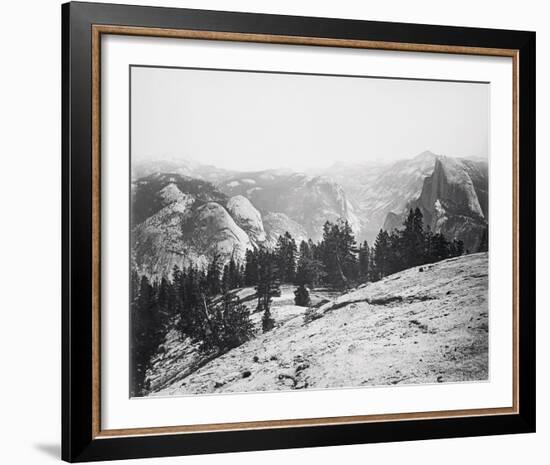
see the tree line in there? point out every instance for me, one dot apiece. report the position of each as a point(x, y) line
point(203, 303)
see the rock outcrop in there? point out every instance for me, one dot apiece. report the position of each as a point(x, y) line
point(188, 227)
point(378, 190)
point(247, 218)
point(454, 201)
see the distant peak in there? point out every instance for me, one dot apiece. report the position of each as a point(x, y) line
point(426, 155)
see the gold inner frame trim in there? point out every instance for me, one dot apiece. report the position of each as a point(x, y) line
point(97, 32)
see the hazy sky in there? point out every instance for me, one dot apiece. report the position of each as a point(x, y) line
point(252, 121)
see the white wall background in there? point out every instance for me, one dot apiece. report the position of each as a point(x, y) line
point(30, 201)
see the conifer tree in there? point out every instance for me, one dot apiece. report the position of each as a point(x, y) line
point(236, 325)
point(413, 239)
point(301, 296)
point(428, 245)
point(440, 247)
point(226, 279)
point(213, 276)
point(268, 323)
point(364, 261)
point(146, 334)
point(267, 287)
point(381, 254)
point(339, 254)
point(165, 298)
point(456, 248)
point(251, 268)
point(234, 275)
point(309, 271)
point(286, 252)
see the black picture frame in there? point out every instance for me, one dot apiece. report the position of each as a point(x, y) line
point(79, 443)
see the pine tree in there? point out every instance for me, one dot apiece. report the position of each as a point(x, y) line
point(413, 239)
point(381, 253)
point(348, 251)
point(251, 268)
point(301, 296)
point(339, 254)
point(207, 323)
point(309, 271)
point(428, 245)
point(286, 252)
point(456, 248)
point(165, 298)
point(234, 274)
point(267, 287)
point(398, 254)
point(146, 334)
point(440, 247)
point(364, 262)
point(235, 322)
point(226, 279)
point(213, 277)
point(190, 292)
point(268, 323)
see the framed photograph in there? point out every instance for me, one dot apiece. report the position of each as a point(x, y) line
point(287, 232)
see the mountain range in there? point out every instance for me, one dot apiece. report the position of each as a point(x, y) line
point(187, 213)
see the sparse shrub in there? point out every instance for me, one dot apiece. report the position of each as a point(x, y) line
point(311, 315)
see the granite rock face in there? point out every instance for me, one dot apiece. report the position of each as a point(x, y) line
point(454, 201)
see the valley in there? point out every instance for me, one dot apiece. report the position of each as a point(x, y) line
point(187, 213)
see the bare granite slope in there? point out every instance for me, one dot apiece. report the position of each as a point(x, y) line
point(423, 325)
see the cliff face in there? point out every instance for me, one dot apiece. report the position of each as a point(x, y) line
point(453, 200)
point(308, 201)
point(379, 192)
point(452, 183)
point(247, 218)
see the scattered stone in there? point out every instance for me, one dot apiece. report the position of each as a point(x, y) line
point(246, 373)
point(255, 359)
point(284, 377)
point(273, 357)
point(440, 379)
point(301, 367)
point(420, 269)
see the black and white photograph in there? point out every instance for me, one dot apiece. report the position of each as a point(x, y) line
point(306, 231)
